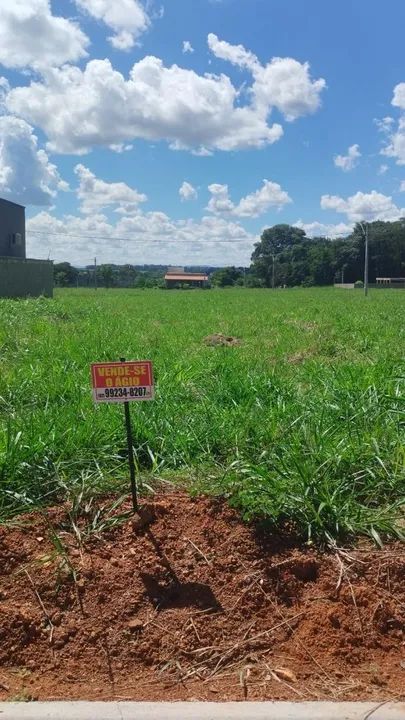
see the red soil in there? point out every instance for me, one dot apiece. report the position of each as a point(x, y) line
point(196, 606)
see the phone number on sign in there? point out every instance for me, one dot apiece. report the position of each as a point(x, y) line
point(126, 392)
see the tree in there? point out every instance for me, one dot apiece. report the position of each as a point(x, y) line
point(386, 248)
point(106, 275)
point(126, 275)
point(226, 277)
point(272, 247)
point(64, 274)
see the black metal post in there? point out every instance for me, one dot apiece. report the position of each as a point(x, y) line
point(131, 460)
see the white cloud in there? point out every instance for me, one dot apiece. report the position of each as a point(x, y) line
point(284, 83)
point(318, 229)
point(220, 202)
point(402, 186)
point(121, 147)
point(26, 175)
point(127, 18)
point(257, 203)
point(399, 96)
point(363, 206)
point(395, 147)
point(187, 47)
point(96, 194)
point(384, 124)
point(30, 36)
point(139, 238)
point(187, 192)
point(79, 109)
point(383, 169)
point(236, 54)
point(4, 90)
point(253, 205)
point(350, 161)
point(395, 144)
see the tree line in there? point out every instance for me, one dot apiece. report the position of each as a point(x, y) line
point(284, 256)
point(108, 276)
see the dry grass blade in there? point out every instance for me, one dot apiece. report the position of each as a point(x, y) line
point(41, 605)
point(198, 550)
point(244, 642)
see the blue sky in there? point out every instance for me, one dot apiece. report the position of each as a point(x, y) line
point(175, 131)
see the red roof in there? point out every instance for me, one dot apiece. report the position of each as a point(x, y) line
point(186, 277)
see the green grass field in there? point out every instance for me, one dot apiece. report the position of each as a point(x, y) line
point(304, 422)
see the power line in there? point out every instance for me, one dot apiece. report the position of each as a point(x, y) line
point(51, 233)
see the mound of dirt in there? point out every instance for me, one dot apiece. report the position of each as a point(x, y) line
point(195, 605)
point(219, 339)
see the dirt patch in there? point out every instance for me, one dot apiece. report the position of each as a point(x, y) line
point(195, 605)
point(300, 356)
point(219, 339)
point(302, 325)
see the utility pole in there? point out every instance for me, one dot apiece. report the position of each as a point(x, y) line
point(273, 276)
point(364, 230)
point(95, 273)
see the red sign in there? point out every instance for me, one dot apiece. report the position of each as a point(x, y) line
point(122, 381)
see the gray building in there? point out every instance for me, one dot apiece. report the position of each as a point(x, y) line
point(19, 276)
point(12, 229)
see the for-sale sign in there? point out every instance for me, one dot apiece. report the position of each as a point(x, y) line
point(122, 381)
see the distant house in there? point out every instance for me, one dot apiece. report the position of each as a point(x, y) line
point(178, 277)
point(19, 276)
point(391, 281)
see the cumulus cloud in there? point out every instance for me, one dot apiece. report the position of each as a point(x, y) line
point(319, 229)
point(398, 99)
point(395, 146)
point(284, 83)
point(395, 134)
point(127, 18)
point(257, 203)
point(382, 169)
point(95, 194)
point(363, 206)
point(269, 195)
point(30, 36)
point(79, 109)
point(187, 192)
point(220, 202)
point(26, 175)
point(350, 161)
point(139, 238)
point(187, 47)
point(4, 90)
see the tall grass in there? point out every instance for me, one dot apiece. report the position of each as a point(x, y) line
point(303, 422)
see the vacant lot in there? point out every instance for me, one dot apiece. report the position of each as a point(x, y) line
point(302, 422)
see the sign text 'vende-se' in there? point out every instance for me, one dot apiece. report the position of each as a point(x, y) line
point(122, 381)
